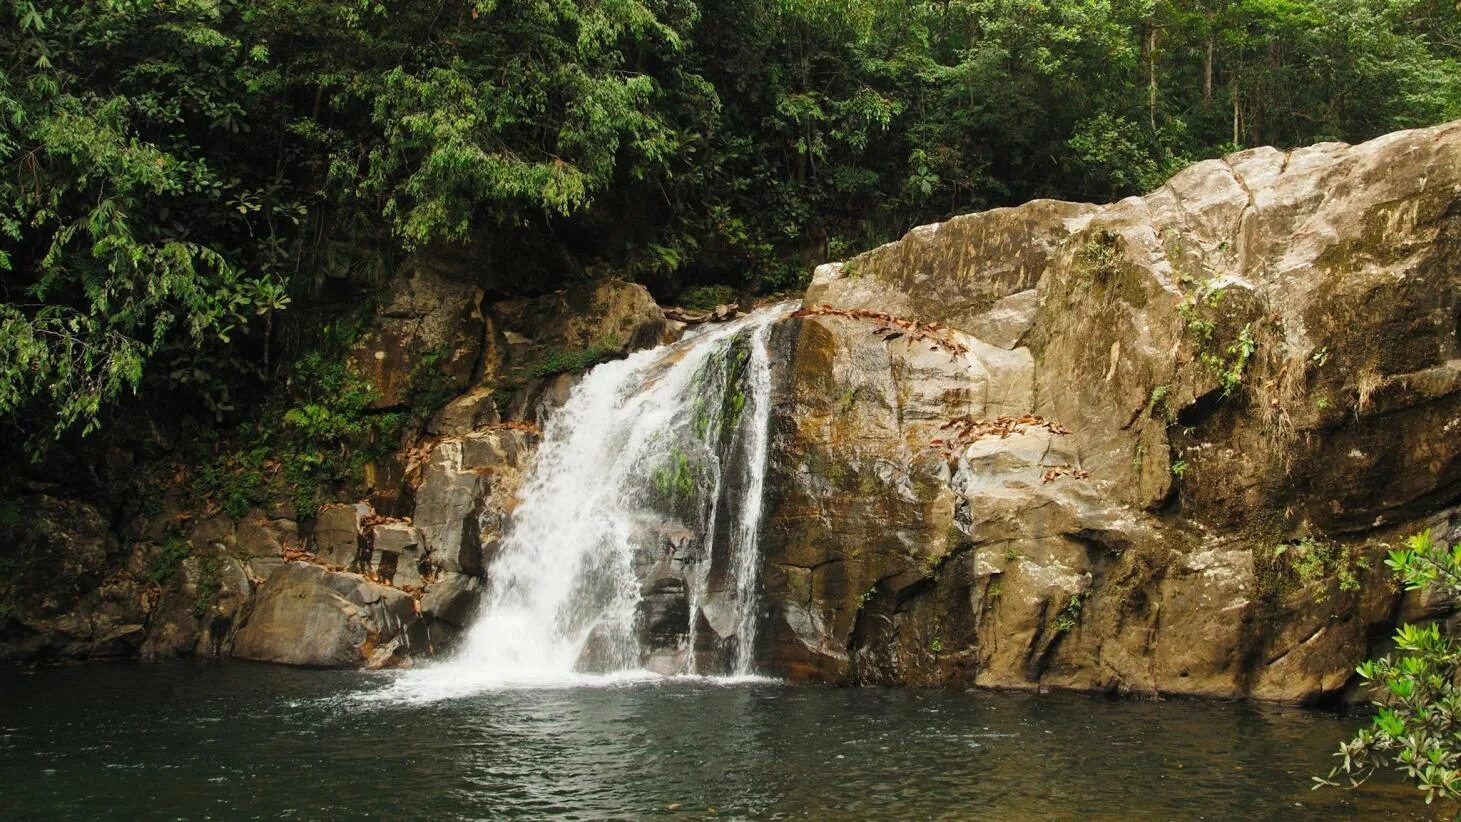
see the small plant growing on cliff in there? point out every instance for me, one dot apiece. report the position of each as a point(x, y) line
point(1417, 724)
point(1066, 620)
point(1294, 566)
point(209, 586)
point(169, 558)
point(1097, 258)
point(1179, 469)
point(1157, 405)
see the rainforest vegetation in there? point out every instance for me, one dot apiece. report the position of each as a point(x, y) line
point(182, 179)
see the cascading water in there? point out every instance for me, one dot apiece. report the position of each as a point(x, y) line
point(649, 478)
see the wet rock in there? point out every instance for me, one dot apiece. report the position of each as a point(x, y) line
point(1224, 392)
point(452, 600)
point(306, 615)
point(467, 489)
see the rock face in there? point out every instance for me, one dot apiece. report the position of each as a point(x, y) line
point(1220, 402)
point(56, 601)
point(427, 321)
point(306, 615)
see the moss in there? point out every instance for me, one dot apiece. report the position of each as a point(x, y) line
point(723, 372)
point(557, 361)
point(209, 585)
point(169, 559)
point(675, 479)
point(1307, 563)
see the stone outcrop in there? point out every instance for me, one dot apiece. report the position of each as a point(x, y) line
point(306, 615)
point(1259, 371)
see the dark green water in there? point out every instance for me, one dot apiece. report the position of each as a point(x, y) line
point(242, 741)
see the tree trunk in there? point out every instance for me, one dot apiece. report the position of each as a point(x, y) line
point(1237, 121)
point(1207, 74)
point(1151, 71)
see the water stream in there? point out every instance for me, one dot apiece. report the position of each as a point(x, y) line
point(649, 478)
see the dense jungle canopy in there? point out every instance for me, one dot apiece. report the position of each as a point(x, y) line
point(182, 179)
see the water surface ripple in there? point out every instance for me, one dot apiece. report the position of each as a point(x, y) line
point(247, 741)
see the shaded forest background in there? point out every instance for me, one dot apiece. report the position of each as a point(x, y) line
point(186, 182)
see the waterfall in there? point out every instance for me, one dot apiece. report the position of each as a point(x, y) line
point(637, 526)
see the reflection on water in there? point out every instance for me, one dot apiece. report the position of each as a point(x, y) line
point(250, 741)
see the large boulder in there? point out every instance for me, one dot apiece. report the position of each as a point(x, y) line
point(1153, 447)
point(307, 615)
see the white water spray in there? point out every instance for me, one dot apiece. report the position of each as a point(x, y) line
point(633, 474)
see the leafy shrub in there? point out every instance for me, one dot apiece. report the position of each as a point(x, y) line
point(1416, 728)
point(707, 297)
point(317, 436)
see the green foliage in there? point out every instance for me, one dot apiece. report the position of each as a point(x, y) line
point(170, 556)
point(1308, 564)
point(1069, 615)
point(1230, 370)
point(1228, 363)
point(675, 479)
point(430, 386)
point(179, 174)
point(1416, 728)
point(707, 297)
point(119, 234)
point(209, 585)
point(1157, 404)
point(557, 361)
point(311, 440)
